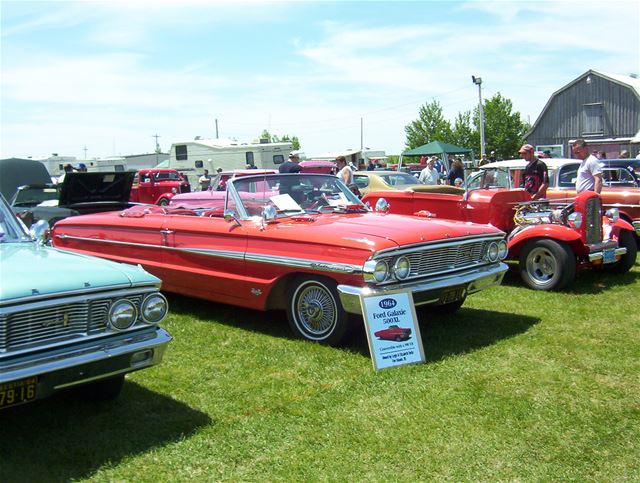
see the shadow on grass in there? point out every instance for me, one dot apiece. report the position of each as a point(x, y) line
point(67, 438)
point(446, 335)
point(588, 281)
point(465, 331)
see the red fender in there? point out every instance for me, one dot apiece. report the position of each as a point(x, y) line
point(562, 233)
point(167, 195)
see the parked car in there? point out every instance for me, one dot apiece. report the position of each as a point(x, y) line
point(631, 164)
point(68, 319)
point(79, 193)
point(318, 166)
point(302, 243)
point(393, 332)
point(562, 185)
point(157, 186)
point(550, 240)
point(384, 180)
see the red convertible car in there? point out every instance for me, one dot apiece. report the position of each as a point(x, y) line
point(393, 332)
point(303, 243)
point(551, 240)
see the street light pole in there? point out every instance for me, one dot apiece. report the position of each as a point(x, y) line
point(478, 82)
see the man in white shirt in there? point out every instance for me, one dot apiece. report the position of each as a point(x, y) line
point(590, 171)
point(429, 175)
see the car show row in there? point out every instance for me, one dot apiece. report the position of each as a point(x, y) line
point(89, 310)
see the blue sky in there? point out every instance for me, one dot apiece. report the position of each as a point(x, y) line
point(109, 75)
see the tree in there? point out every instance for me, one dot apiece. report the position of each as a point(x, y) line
point(430, 126)
point(463, 133)
point(273, 138)
point(504, 130)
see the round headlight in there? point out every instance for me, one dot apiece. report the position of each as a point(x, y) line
point(154, 308)
point(174, 190)
point(575, 220)
point(402, 268)
point(382, 205)
point(503, 249)
point(122, 315)
point(492, 252)
point(613, 214)
point(381, 271)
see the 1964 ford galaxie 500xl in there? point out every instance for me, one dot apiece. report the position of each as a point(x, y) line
point(303, 243)
point(67, 319)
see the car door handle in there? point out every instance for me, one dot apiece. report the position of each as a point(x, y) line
point(166, 231)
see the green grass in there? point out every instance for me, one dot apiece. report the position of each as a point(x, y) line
point(519, 385)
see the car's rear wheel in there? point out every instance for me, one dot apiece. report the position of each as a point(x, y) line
point(547, 265)
point(314, 311)
point(163, 202)
point(626, 240)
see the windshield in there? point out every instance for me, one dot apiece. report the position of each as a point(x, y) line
point(11, 230)
point(34, 195)
point(290, 194)
point(167, 176)
point(491, 178)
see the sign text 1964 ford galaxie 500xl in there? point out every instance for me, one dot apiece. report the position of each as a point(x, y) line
point(303, 243)
point(67, 319)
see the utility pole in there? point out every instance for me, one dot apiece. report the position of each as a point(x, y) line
point(157, 147)
point(478, 82)
point(361, 134)
point(216, 129)
point(85, 152)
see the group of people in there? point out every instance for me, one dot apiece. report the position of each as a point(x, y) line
point(536, 174)
point(434, 171)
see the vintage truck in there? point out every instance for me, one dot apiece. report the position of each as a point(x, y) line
point(157, 186)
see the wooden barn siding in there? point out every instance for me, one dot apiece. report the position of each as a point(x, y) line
point(563, 119)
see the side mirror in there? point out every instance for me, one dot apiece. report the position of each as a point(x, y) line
point(230, 215)
point(382, 205)
point(269, 213)
point(40, 231)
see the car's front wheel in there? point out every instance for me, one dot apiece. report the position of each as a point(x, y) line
point(163, 202)
point(314, 311)
point(626, 240)
point(547, 265)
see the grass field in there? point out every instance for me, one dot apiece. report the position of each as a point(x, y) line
point(519, 385)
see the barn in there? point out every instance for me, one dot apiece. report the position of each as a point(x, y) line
point(601, 108)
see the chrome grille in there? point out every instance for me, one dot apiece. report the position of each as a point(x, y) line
point(57, 323)
point(442, 258)
point(593, 225)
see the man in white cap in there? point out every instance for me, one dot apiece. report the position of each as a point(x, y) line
point(536, 175)
point(429, 175)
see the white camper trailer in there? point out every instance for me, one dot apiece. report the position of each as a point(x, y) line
point(55, 164)
point(193, 157)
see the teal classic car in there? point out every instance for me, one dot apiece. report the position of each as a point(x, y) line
point(68, 319)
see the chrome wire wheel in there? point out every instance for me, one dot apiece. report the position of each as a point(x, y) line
point(314, 311)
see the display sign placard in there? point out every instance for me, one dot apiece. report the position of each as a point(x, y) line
point(392, 329)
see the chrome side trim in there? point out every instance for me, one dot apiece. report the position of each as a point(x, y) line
point(318, 265)
point(431, 290)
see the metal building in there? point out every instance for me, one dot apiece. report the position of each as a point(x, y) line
point(603, 109)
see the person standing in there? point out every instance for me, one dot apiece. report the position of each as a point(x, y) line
point(290, 166)
point(536, 175)
point(590, 171)
point(344, 170)
point(456, 172)
point(204, 181)
point(429, 175)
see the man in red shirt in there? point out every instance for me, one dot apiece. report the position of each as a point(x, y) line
point(536, 175)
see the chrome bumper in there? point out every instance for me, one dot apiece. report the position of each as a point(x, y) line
point(636, 225)
point(59, 369)
point(598, 256)
point(427, 291)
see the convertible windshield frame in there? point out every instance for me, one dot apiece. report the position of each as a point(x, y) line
point(12, 230)
point(290, 195)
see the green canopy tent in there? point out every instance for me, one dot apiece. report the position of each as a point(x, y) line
point(437, 148)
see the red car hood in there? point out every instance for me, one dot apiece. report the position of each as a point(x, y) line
point(377, 231)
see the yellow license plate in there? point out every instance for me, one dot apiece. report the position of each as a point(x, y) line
point(18, 392)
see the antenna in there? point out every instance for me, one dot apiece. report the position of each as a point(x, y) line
point(85, 152)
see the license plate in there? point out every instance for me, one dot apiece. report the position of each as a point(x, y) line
point(451, 295)
point(18, 392)
point(609, 256)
